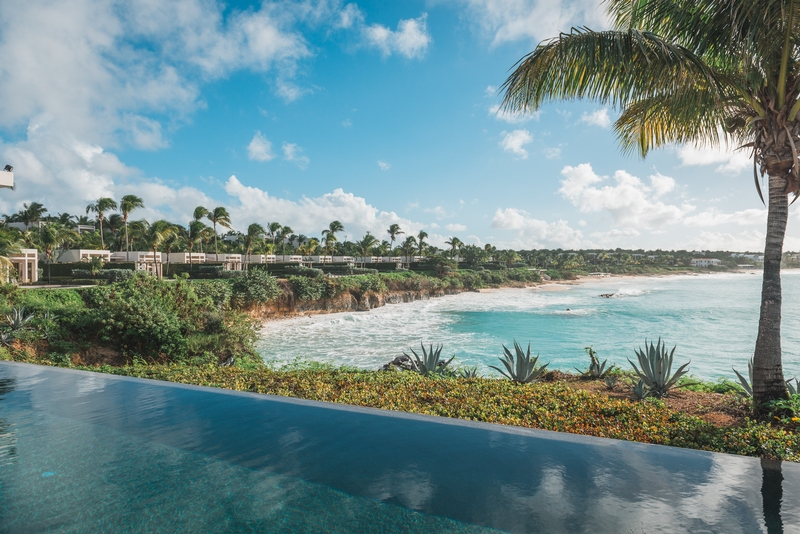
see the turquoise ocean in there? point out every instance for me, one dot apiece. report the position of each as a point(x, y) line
point(713, 320)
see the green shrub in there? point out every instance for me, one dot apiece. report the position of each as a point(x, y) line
point(218, 292)
point(299, 270)
point(306, 288)
point(256, 287)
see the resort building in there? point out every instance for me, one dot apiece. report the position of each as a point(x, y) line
point(260, 258)
point(705, 262)
point(186, 257)
point(344, 259)
point(78, 255)
point(319, 259)
point(145, 260)
point(26, 262)
point(230, 262)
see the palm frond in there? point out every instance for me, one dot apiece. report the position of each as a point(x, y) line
point(612, 67)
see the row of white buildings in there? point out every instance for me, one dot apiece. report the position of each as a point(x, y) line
point(26, 262)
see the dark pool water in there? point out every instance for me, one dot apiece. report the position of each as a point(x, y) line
point(85, 452)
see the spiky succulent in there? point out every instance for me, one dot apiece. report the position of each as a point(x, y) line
point(523, 369)
point(467, 372)
point(611, 382)
point(430, 361)
point(596, 369)
point(640, 390)
point(746, 384)
point(18, 319)
point(656, 368)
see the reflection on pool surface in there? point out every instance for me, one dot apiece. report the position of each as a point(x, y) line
point(84, 452)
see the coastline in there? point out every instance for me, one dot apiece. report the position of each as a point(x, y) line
point(288, 308)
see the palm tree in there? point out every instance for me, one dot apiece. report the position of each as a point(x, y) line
point(218, 216)
point(421, 240)
point(693, 71)
point(29, 214)
point(156, 235)
point(53, 236)
point(100, 207)
point(329, 235)
point(284, 234)
point(365, 245)
point(394, 231)
point(455, 244)
point(127, 204)
point(255, 233)
point(10, 243)
point(194, 235)
point(409, 246)
point(273, 229)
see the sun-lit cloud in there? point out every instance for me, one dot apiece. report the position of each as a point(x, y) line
point(384, 166)
point(260, 148)
point(728, 161)
point(513, 118)
point(411, 39)
point(598, 117)
point(515, 141)
point(293, 153)
point(536, 233)
point(456, 227)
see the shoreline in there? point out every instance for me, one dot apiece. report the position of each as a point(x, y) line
point(282, 312)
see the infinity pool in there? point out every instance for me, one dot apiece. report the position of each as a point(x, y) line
point(85, 452)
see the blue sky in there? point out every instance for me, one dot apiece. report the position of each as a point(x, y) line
point(367, 112)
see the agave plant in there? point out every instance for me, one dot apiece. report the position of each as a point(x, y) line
point(792, 388)
point(523, 368)
point(467, 372)
point(430, 361)
point(18, 319)
point(6, 338)
point(596, 369)
point(746, 384)
point(640, 390)
point(656, 368)
point(611, 382)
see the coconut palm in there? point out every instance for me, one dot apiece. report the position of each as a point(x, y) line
point(421, 236)
point(29, 214)
point(273, 229)
point(394, 231)
point(158, 234)
point(255, 234)
point(219, 216)
point(53, 236)
point(194, 236)
point(408, 247)
point(284, 234)
point(127, 204)
point(10, 243)
point(329, 235)
point(455, 244)
point(100, 207)
point(364, 246)
point(705, 72)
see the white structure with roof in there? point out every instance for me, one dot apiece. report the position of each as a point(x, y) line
point(260, 258)
point(26, 262)
point(343, 259)
point(145, 260)
point(186, 257)
point(78, 255)
point(230, 262)
point(319, 259)
point(7, 177)
point(705, 262)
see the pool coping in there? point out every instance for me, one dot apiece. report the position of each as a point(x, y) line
point(551, 435)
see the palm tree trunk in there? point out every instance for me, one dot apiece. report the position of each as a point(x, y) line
point(127, 243)
point(102, 244)
point(216, 250)
point(768, 381)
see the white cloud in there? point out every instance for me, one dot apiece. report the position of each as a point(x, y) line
point(384, 165)
point(103, 70)
point(456, 227)
point(513, 118)
point(714, 217)
point(347, 123)
point(439, 212)
point(311, 215)
point(629, 202)
point(552, 152)
point(292, 152)
point(727, 161)
point(515, 141)
point(598, 117)
point(490, 91)
point(411, 39)
point(260, 148)
point(535, 233)
point(662, 184)
point(532, 20)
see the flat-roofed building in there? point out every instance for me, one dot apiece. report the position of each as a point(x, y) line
point(230, 262)
point(78, 255)
point(144, 260)
point(186, 257)
point(705, 262)
point(26, 262)
point(344, 259)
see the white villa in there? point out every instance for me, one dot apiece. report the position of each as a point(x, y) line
point(26, 262)
point(705, 262)
point(260, 258)
point(77, 255)
point(145, 260)
point(231, 262)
